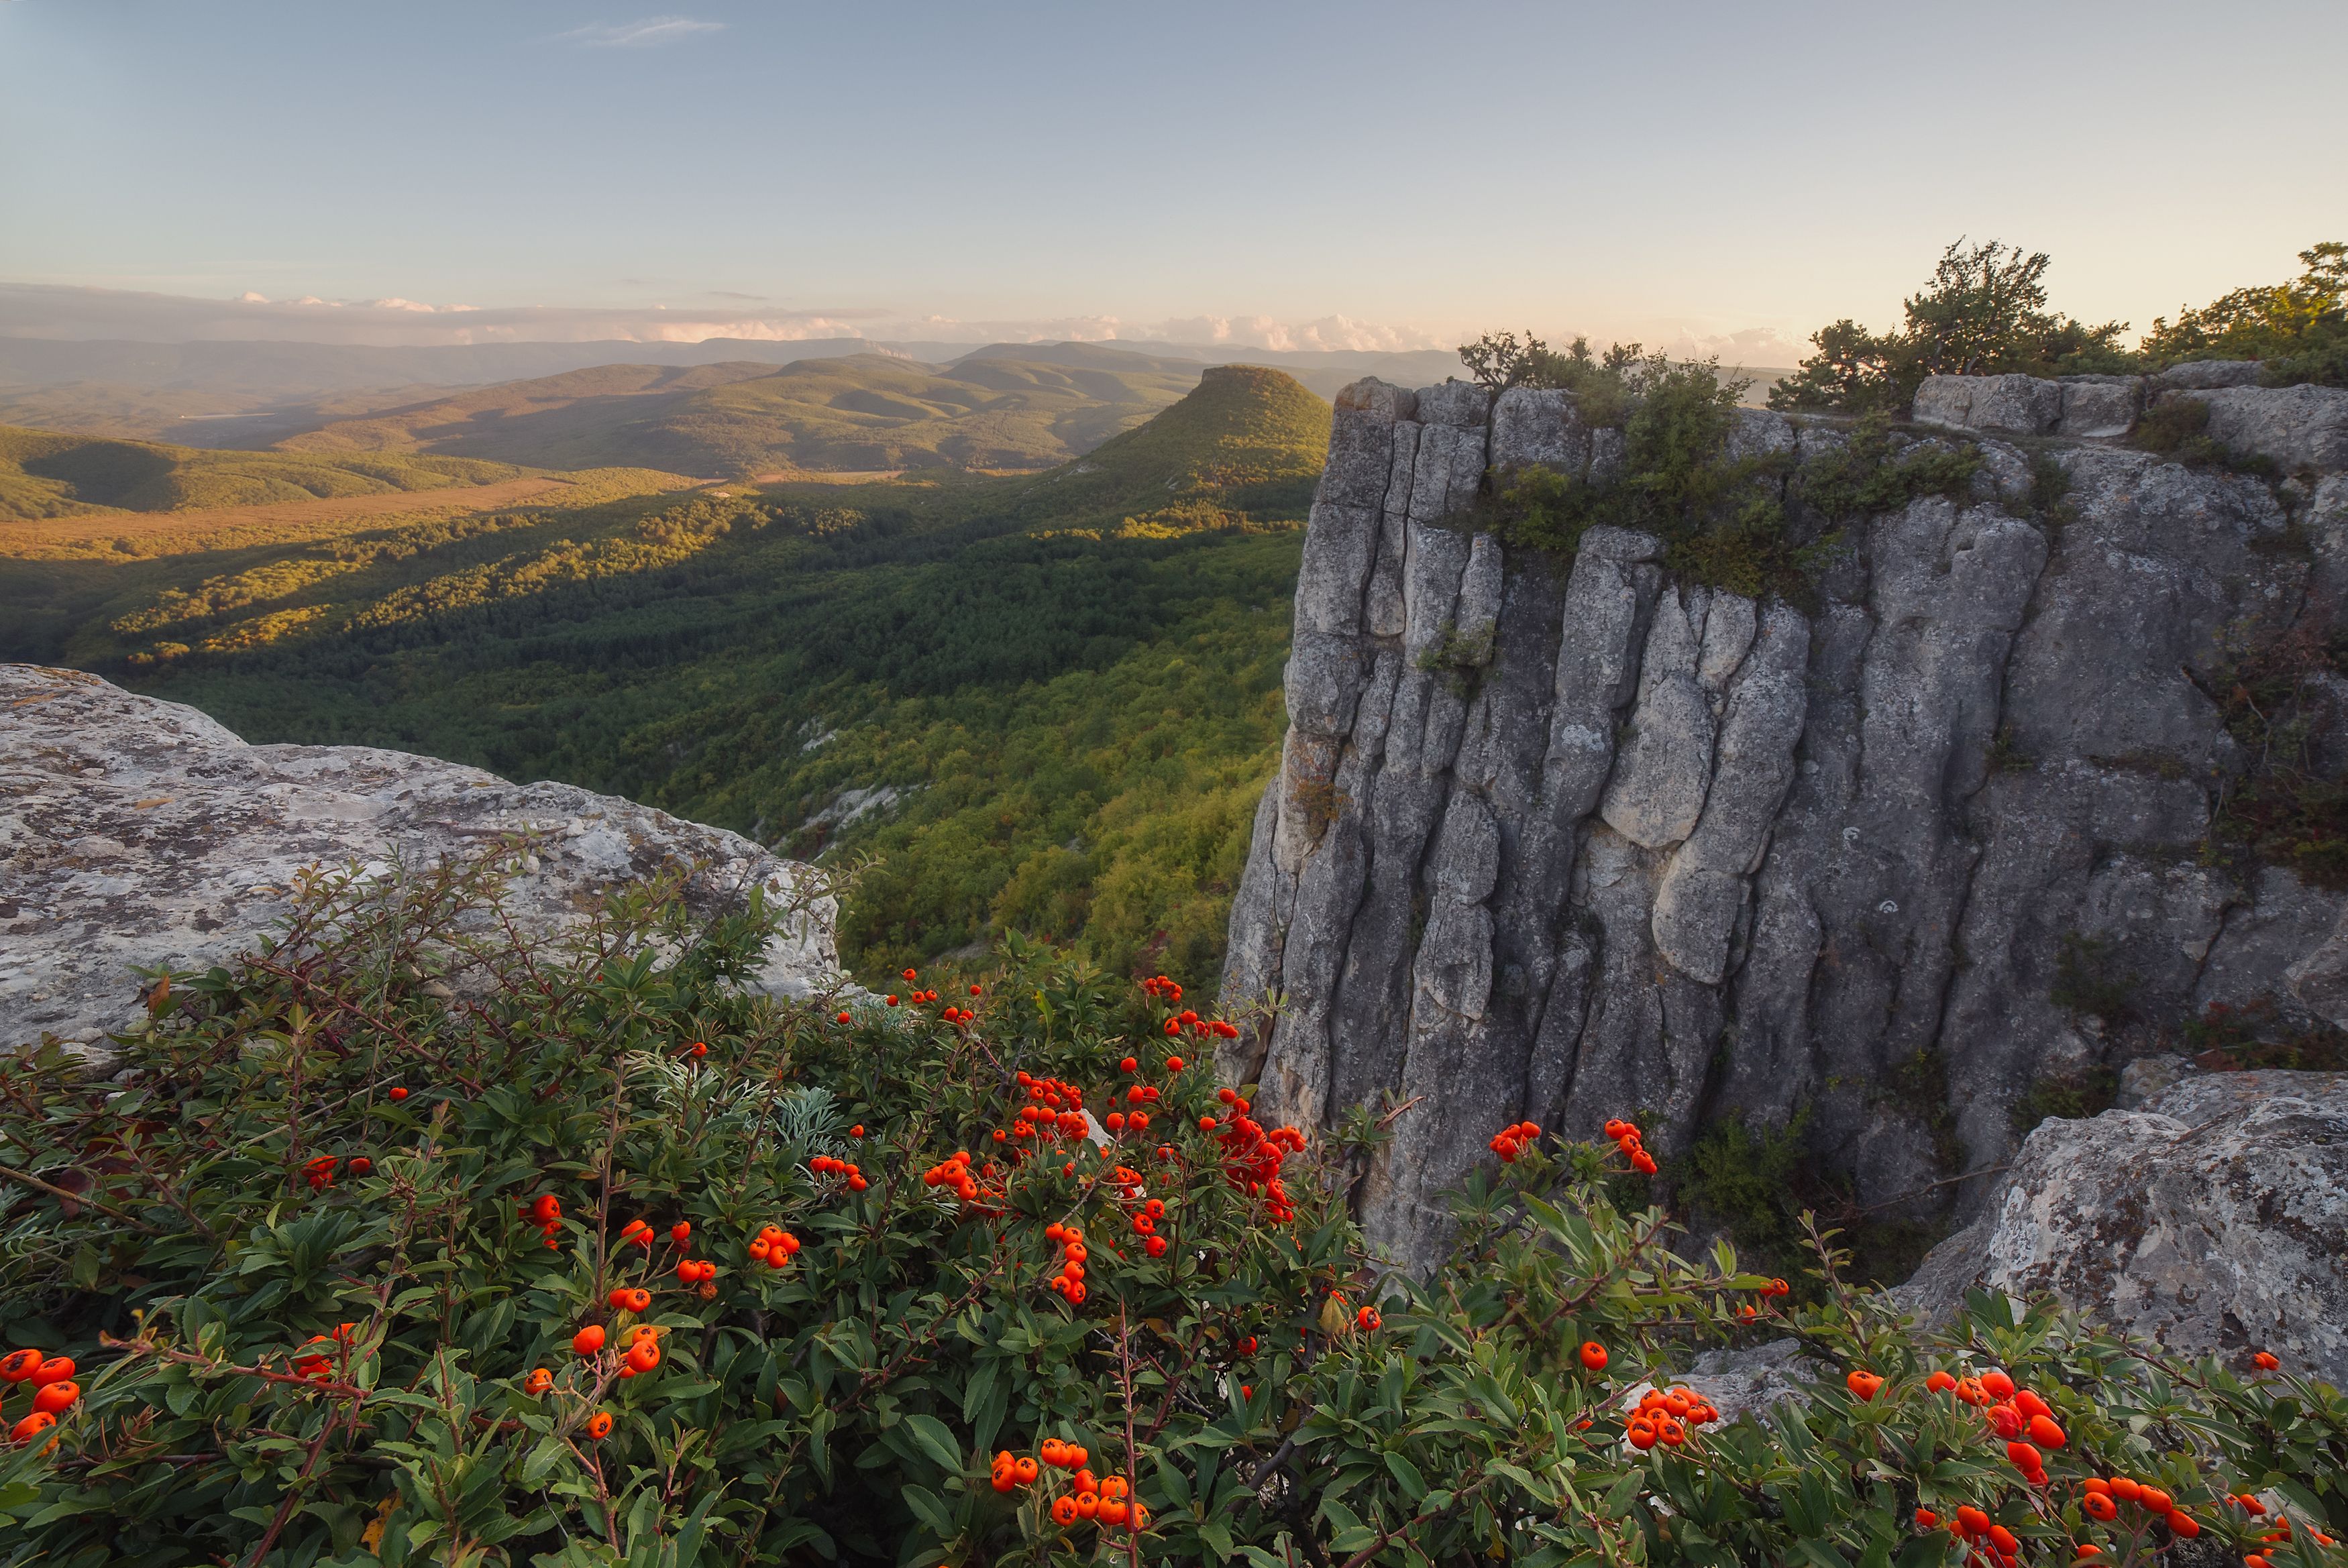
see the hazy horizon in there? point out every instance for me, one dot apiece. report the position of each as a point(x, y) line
point(1312, 178)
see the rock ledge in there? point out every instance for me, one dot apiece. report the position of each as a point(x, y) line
point(139, 833)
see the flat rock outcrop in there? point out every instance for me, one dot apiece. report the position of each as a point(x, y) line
point(1567, 840)
point(2212, 1219)
point(139, 833)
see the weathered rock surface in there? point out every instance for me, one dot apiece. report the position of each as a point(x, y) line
point(2299, 428)
point(2201, 374)
point(139, 833)
point(2215, 1218)
point(1655, 850)
point(2008, 404)
point(1746, 1382)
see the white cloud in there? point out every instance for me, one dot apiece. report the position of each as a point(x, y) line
point(1323, 335)
point(1747, 346)
point(638, 35)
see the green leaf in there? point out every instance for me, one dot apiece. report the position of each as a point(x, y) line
point(542, 1462)
point(930, 1509)
point(936, 1440)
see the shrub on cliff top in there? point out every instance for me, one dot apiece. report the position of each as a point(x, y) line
point(1721, 514)
point(1983, 314)
point(402, 1241)
point(1718, 514)
point(2300, 328)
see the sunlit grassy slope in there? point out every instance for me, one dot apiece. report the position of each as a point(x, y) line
point(1069, 680)
point(46, 475)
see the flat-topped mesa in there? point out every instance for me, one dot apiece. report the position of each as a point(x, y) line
point(1564, 840)
point(137, 834)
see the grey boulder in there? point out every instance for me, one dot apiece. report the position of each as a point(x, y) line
point(2213, 1219)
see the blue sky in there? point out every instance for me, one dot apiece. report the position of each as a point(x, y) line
point(1364, 172)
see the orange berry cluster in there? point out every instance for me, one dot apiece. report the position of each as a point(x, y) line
point(774, 1246)
point(631, 1298)
point(2101, 1499)
point(1666, 1416)
point(1626, 1138)
point(691, 1271)
point(1990, 1540)
point(545, 1211)
point(1070, 1281)
point(2016, 1414)
point(2278, 1535)
point(1054, 1109)
point(1145, 1218)
point(826, 1165)
point(644, 1351)
point(1213, 1028)
point(1509, 1142)
point(54, 1389)
point(1252, 1156)
point(954, 1172)
point(637, 1232)
point(538, 1381)
point(1167, 990)
point(318, 1366)
point(1106, 1500)
point(320, 1172)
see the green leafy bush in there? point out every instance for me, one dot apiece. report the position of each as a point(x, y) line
point(2300, 328)
point(320, 1248)
point(1720, 515)
point(1723, 516)
point(1872, 471)
point(1983, 314)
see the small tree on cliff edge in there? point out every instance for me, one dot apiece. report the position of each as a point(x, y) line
point(1983, 314)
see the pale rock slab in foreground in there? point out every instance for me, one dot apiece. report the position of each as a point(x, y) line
point(139, 833)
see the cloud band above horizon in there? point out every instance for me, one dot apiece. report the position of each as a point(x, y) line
point(70, 311)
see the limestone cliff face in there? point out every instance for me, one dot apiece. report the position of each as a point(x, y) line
point(1570, 842)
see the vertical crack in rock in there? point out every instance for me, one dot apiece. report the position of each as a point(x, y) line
point(1658, 785)
point(1704, 884)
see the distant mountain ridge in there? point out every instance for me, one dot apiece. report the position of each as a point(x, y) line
point(860, 411)
point(256, 395)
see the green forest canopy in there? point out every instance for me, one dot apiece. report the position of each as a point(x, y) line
point(1069, 682)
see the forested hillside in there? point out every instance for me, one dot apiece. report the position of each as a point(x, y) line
point(1054, 697)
